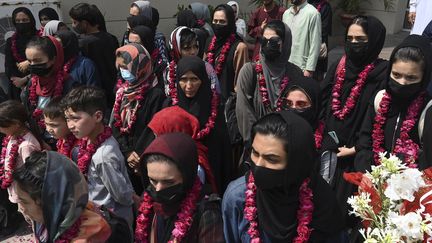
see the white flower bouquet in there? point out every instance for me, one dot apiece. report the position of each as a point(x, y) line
point(393, 201)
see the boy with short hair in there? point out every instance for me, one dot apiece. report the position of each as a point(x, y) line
point(55, 124)
point(99, 157)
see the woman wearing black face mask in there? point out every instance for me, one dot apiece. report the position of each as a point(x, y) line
point(16, 65)
point(262, 83)
point(49, 75)
point(303, 98)
point(174, 207)
point(346, 91)
point(226, 50)
point(399, 108)
point(280, 185)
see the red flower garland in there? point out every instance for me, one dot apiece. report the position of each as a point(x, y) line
point(171, 82)
point(404, 145)
point(6, 172)
point(117, 106)
point(58, 90)
point(87, 149)
point(184, 216)
point(223, 54)
point(320, 5)
point(70, 233)
point(355, 91)
point(263, 87)
point(304, 213)
point(14, 48)
point(65, 145)
point(319, 134)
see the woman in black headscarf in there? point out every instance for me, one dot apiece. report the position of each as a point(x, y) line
point(54, 196)
point(176, 195)
point(401, 102)
point(142, 35)
point(46, 15)
point(277, 72)
point(194, 94)
point(83, 70)
point(226, 51)
point(281, 184)
point(347, 90)
point(16, 65)
point(187, 18)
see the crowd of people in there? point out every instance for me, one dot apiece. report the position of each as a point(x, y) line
point(195, 137)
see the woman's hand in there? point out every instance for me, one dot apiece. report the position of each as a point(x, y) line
point(344, 151)
point(133, 160)
point(23, 66)
point(19, 82)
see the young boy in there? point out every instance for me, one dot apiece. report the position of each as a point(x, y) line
point(99, 157)
point(55, 123)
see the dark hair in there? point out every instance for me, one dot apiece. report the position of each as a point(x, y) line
point(278, 26)
point(85, 98)
point(49, 12)
point(158, 158)
point(87, 12)
point(187, 37)
point(359, 20)
point(53, 110)
point(12, 111)
point(272, 124)
point(44, 44)
point(412, 54)
point(30, 176)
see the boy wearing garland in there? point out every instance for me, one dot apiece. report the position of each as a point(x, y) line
point(99, 156)
point(56, 126)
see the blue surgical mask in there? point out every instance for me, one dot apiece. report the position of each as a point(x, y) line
point(127, 75)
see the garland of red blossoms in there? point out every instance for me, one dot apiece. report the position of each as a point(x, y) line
point(70, 233)
point(87, 150)
point(58, 90)
point(223, 54)
point(320, 5)
point(404, 145)
point(117, 106)
point(339, 112)
point(184, 216)
point(304, 213)
point(6, 173)
point(65, 145)
point(263, 87)
point(171, 82)
point(319, 134)
point(14, 48)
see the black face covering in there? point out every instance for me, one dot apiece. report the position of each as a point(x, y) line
point(271, 48)
point(308, 114)
point(168, 196)
point(357, 51)
point(261, 175)
point(296, 2)
point(221, 31)
point(24, 28)
point(404, 91)
point(39, 69)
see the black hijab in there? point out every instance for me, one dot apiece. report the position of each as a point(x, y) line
point(50, 13)
point(229, 13)
point(311, 89)
point(146, 35)
point(135, 21)
point(28, 13)
point(277, 208)
point(421, 43)
point(200, 105)
point(376, 32)
point(187, 18)
point(69, 42)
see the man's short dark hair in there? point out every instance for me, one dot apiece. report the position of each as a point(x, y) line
point(53, 110)
point(85, 98)
point(85, 11)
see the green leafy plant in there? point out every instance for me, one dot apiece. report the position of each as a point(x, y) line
point(179, 9)
point(353, 6)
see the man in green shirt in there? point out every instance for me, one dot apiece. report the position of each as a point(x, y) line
point(305, 24)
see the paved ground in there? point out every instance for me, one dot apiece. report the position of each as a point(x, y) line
point(23, 233)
